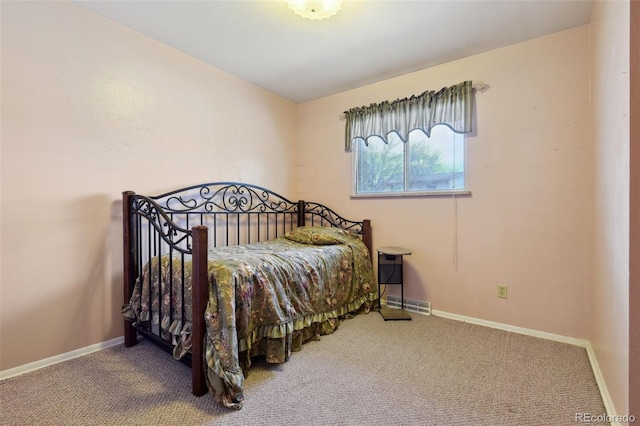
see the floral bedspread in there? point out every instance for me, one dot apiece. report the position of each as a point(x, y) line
point(264, 299)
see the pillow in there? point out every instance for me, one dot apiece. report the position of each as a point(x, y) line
point(319, 235)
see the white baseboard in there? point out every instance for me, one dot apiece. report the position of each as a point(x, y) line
point(492, 324)
point(520, 330)
point(12, 372)
point(604, 392)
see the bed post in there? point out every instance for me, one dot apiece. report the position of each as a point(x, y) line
point(301, 213)
point(130, 333)
point(200, 294)
point(366, 236)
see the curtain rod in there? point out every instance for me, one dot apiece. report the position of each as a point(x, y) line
point(480, 86)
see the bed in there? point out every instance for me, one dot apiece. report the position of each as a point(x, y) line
point(221, 273)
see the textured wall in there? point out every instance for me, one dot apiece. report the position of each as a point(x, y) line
point(609, 313)
point(90, 109)
point(526, 223)
point(634, 214)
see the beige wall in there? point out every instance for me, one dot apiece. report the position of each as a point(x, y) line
point(90, 109)
point(634, 213)
point(526, 223)
point(609, 320)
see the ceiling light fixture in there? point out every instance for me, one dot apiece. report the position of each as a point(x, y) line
point(315, 9)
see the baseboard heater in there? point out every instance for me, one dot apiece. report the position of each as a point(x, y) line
point(409, 305)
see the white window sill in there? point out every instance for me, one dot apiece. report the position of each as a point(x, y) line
point(412, 194)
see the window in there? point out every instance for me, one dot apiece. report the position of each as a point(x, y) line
point(422, 165)
point(394, 156)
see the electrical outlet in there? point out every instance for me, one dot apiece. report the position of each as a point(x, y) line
point(502, 291)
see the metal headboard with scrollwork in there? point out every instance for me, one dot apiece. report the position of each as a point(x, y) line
point(187, 222)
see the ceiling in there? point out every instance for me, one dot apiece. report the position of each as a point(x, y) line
point(265, 43)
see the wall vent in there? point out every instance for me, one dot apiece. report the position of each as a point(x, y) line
point(409, 305)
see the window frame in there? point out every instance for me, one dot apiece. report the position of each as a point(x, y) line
point(406, 169)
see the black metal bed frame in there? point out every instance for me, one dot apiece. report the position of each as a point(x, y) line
point(187, 222)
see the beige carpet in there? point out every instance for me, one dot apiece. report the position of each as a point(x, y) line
point(428, 371)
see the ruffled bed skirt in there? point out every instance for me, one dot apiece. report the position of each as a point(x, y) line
point(275, 343)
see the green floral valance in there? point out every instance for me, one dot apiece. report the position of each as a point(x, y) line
point(451, 106)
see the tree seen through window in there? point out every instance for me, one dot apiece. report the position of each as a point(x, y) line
point(434, 163)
